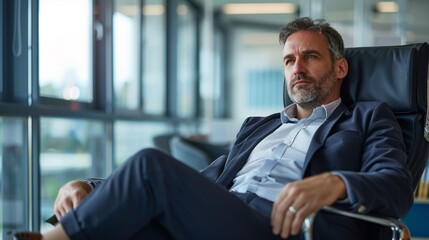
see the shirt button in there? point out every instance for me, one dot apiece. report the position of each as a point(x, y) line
point(361, 209)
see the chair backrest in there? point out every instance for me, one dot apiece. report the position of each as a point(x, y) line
point(398, 76)
point(189, 154)
point(162, 142)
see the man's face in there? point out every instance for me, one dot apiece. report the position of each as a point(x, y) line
point(310, 73)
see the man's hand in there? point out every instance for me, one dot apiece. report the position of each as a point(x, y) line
point(299, 199)
point(69, 196)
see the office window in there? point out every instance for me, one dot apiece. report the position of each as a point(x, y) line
point(341, 16)
point(368, 23)
point(130, 137)
point(218, 93)
point(126, 60)
point(69, 149)
point(1, 51)
point(417, 31)
point(264, 88)
point(65, 49)
point(154, 57)
point(186, 60)
point(257, 72)
point(13, 175)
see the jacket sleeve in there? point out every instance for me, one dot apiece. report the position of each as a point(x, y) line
point(94, 182)
point(384, 185)
point(214, 170)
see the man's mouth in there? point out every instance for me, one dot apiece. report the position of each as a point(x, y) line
point(301, 82)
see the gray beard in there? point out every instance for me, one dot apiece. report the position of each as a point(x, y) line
point(316, 96)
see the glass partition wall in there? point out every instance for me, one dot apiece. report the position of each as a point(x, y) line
point(14, 175)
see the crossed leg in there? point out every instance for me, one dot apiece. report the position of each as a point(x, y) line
point(153, 193)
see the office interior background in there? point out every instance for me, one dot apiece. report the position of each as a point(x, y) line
point(84, 84)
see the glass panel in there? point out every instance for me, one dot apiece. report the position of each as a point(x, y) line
point(385, 21)
point(131, 137)
point(1, 52)
point(65, 49)
point(69, 149)
point(341, 15)
point(154, 57)
point(13, 176)
point(186, 62)
point(218, 90)
point(258, 73)
point(417, 29)
point(126, 23)
point(366, 23)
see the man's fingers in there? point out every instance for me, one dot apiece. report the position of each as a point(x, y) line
point(69, 197)
point(63, 205)
point(60, 213)
point(299, 217)
point(290, 211)
point(278, 215)
point(287, 223)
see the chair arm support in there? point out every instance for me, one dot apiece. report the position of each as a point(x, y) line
point(399, 229)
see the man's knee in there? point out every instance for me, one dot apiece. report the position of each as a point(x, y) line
point(148, 158)
point(150, 153)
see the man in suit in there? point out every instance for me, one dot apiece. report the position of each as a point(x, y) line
point(281, 168)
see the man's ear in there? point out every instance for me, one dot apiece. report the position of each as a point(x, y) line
point(342, 68)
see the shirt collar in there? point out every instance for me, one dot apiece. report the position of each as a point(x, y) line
point(323, 112)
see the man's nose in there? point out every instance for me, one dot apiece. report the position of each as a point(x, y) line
point(299, 67)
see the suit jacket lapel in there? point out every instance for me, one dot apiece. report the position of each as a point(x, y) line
point(323, 132)
point(236, 163)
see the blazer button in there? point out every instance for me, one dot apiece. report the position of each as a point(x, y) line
point(361, 209)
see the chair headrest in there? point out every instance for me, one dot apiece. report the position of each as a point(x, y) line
point(396, 75)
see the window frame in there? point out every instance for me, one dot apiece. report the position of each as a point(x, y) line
point(1, 50)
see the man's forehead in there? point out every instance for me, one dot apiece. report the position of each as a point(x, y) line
point(304, 41)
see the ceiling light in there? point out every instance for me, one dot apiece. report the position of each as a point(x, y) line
point(156, 9)
point(182, 10)
point(128, 10)
point(387, 7)
point(259, 8)
point(132, 10)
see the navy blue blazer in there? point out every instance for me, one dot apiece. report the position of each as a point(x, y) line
point(362, 142)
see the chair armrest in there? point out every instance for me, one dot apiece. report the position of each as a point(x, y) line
point(399, 229)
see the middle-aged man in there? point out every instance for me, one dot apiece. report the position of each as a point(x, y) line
point(281, 168)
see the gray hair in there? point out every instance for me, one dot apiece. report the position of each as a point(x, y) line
point(335, 41)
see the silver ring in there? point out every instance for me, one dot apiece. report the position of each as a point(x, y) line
point(292, 209)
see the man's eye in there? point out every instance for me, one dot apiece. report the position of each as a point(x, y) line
point(288, 62)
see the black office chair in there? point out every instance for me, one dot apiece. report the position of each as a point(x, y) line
point(396, 75)
point(162, 142)
point(187, 153)
point(194, 153)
